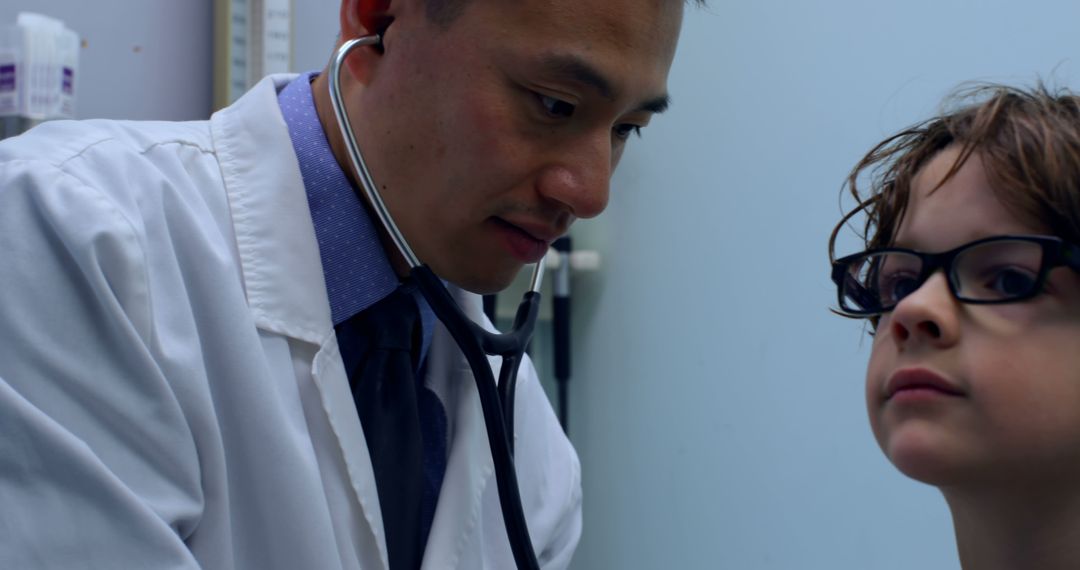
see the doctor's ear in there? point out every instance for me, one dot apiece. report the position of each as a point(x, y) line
point(364, 17)
point(361, 18)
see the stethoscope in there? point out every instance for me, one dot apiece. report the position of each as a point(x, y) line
point(475, 342)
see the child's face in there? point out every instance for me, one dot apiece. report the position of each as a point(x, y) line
point(1014, 369)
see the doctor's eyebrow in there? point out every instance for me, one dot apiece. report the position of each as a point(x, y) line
point(581, 71)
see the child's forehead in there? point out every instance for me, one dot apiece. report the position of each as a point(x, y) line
point(948, 178)
point(947, 209)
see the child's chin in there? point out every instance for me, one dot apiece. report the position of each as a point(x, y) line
point(926, 460)
point(928, 471)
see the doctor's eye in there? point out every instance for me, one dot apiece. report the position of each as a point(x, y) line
point(556, 107)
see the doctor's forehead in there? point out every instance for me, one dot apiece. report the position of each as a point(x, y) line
point(620, 38)
point(444, 12)
point(626, 24)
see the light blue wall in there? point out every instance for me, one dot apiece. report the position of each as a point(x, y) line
point(315, 27)
point(153, 59)
point(140, 59)
point(717, 405)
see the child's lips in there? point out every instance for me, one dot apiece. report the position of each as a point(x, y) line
point(920, 383)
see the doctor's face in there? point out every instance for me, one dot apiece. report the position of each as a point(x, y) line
point(490, 135)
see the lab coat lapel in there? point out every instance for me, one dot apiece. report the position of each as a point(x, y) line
point(469, 466)
point(274, 233)
point(281, 266)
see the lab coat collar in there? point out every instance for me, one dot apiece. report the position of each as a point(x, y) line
point(279, 254)
point(282, 271)
point(283, 277)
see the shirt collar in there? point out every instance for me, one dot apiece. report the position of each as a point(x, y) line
point(356, 269)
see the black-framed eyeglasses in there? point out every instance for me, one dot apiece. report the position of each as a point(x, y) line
point(1000, 269)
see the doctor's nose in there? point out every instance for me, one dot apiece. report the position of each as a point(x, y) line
point(580, 182)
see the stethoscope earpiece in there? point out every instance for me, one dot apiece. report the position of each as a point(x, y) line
point(374, 15)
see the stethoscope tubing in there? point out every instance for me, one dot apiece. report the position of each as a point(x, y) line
point(475, 342)
point(493, 406)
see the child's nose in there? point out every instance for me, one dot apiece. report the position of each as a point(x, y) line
point(926, 315)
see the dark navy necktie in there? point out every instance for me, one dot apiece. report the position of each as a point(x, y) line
point(380, 348)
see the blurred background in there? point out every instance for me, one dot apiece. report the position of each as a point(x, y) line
point(715, 402)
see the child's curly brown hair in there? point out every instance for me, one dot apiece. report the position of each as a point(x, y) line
point(1029, 142)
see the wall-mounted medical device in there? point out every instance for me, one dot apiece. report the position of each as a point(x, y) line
point(252, 39)
point(553, 360)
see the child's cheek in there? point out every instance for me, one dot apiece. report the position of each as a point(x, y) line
point(877, 371)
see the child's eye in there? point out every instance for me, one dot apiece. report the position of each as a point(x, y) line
point(556, 107)
point(1011, 282)
point(894, 286)
point(623, 131)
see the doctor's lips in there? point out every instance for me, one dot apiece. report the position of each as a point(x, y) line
point(919, 384)
point(526, 241)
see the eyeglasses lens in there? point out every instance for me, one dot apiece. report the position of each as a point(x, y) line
point(878, 281)
point(992, 271)
point(997, 270)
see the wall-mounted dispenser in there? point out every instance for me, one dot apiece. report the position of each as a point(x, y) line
point(39, 62)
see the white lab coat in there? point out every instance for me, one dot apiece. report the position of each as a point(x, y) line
point(171, 393)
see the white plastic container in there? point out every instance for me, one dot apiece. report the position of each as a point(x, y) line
point(39, 62)
point(10, 41)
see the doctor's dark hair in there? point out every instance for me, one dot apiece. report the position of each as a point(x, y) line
point(1029, 143)
point(444, 12)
